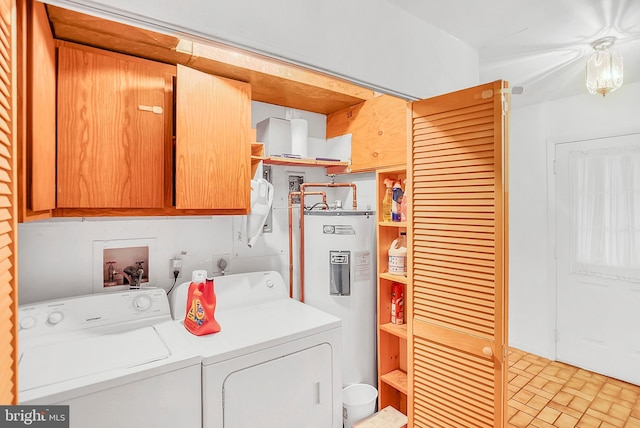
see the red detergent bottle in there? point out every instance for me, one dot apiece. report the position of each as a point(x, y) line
point(201, 306)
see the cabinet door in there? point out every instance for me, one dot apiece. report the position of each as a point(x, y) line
point(378, 129)
point(458, 238)
point(213, 118)
point(41, 113)
point(110, 130)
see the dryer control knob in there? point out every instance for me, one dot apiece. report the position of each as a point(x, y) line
point(27, 323)
point(269, 283)
point(142, 303)
point(55, 317)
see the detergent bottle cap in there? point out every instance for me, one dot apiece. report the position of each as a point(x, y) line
point(199, 276)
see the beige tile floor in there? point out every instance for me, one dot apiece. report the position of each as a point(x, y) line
point(548, 394)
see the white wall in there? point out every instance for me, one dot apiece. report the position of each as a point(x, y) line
point(62, 257)
point(532, 234)
point(369, 41)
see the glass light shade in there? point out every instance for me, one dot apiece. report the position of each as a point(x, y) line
point(604, 67)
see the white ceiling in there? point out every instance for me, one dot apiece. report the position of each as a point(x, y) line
point(541, 45)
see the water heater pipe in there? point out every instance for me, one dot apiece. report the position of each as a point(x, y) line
point(302, 195)
point(291, 196)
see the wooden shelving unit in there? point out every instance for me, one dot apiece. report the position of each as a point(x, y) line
point(392, 338)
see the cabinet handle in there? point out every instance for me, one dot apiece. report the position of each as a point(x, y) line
point(153, 109)
point(487, 351)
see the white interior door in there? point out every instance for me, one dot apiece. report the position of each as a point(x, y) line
point(598, 280)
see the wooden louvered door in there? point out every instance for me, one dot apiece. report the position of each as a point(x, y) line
point(8, 289)
point(458, 240)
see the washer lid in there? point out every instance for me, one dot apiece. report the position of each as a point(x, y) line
point(57, 362)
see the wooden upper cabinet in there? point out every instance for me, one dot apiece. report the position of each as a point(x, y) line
point(378, 129)
point(111, 129)
point(213, 121)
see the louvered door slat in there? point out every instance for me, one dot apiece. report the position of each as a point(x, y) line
point(483, 305)
point(477, 298)
point(456, 128)
point(451, 143)
point(458, 183)
point(457, 241)
point(8, 295)
point(435, 282)
point(463, 271)
point(469, 139)
point(448, 163)
point(458, 117)
point(424, 113)
point(473, 235)
point(462, 262)
point(460, 267)
point(471, 158)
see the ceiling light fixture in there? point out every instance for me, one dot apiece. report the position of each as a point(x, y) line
point(604, 67)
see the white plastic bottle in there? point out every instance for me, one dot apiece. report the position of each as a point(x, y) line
point(398, 255)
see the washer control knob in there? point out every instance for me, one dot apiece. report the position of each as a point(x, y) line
point(270, 283)
point(142, 303)
point(27, 323)
point(55, 317)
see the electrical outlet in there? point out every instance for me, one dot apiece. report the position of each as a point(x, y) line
point(221, 263)
point(176, 265)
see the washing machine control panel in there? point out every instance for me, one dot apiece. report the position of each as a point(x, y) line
point(91, 311)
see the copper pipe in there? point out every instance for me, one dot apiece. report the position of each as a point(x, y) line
point(302, 195)
point(291, 195)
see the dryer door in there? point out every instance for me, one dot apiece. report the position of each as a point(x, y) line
point(292, 391)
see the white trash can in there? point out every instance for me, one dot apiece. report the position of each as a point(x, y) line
point(358, 402)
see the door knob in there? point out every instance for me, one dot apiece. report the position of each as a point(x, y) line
point(487, 351)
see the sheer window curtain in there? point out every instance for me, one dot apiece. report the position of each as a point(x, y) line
point(605, 212)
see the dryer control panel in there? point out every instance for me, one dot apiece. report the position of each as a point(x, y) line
point(144, 306)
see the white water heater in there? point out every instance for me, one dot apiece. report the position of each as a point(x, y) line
point(340, 278)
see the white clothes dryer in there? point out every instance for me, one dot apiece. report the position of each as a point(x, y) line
point(117, 359)
point(276, 361)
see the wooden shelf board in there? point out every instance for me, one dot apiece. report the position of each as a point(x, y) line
point(277, 160)
point(390, 277)
point(392, 223)
point(399, 330)
point(397, 379)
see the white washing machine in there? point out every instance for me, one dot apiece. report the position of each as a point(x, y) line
point(117, 359)
point(276, 361)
